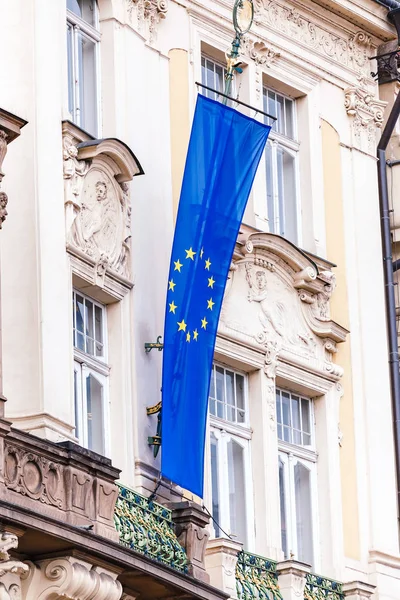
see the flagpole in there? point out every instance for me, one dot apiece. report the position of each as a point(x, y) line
point(243, 15)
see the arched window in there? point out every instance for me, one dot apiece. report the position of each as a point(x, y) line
point(83, 46)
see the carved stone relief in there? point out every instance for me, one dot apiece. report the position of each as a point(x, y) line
point(352, 51)
point(148, 14)
point(281, 305)
point(10, 129)
point(367, 115)
point(97, 202)
point(10, 569)
point(69, 578)
point(262, 55)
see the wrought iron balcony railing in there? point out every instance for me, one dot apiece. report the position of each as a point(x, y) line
point(322, 588)
point(256, 578)
point(147, 527)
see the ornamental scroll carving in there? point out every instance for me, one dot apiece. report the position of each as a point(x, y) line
point(148, 14)
point(69, 578)
point(97, 202)
point(352, 51)
point(366, 112)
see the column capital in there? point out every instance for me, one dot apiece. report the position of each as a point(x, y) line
point(292, 575)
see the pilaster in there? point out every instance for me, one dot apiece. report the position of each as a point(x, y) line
point(292, 578)
point(221, 560)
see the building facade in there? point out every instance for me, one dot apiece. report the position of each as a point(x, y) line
point(96, 104)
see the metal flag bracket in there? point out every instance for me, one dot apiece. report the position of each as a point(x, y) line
point(155, 440)
point(158, 345)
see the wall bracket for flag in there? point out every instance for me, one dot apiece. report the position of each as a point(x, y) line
point(158, 345)
point(155, 440)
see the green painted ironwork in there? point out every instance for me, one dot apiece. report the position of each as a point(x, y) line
point(256, 578)
point(322, 588)
point(147, 527)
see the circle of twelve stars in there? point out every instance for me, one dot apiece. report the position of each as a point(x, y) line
point(182, 326)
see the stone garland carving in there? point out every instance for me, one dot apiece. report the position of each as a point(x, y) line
point(32, 476)
point(148, 14)
point(98, 213)
point(350, 51)
point(262, 55)
point(367, 114)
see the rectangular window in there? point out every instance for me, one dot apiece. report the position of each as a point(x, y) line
point(213, 76)
point(230, 453)
point(281, 157)
point(83, 42)
point(90, 373)
point(297, 475)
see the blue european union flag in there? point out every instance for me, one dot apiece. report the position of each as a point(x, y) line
point(224, 151)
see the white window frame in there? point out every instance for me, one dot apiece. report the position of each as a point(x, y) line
point(78, 25)
point(226, 431)
point(292, 454)
point(84, 365)
point(277, 140)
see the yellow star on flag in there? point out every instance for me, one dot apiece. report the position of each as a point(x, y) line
point(211, 281)
point(195, 335)
point(171, 285)
point(190, 253)
point(201, 253)
point(208, 264)
point(178, 265)
point(188, 336)
point(172, 307)
point(181, 325)
point(210, 303)
point(204, 323)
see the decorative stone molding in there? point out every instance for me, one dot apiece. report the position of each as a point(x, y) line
point(10, 570)
point(262, 55)
point(367, 115)
point(98, 206)
point(352, 50)
point(10, 129)
point(221, 560)
point(292, 579)
point(148, 14)
point(191, 529)
point(69, 578)
point(358, 590)
point(280, 306)
point(63, 481)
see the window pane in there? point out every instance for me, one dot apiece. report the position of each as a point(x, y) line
point(98, 322)
point(281, 190)
point(89, 327)
point(230, 396)
point(286, 408)
point(302, 485)
point(79, 308)
point(88, 11)
point(280, 114)
point(241, 416)
point(74, 6)
point(289, 118)
point(272, 109)
point(272, 217)
point(95, 423)
point(282, 504)
point(220, 389)
point(214, 484)
point(305, 415)
point(289, 196)
point(70, 72)
point(77, 403)
point(296, 419)
point(237, 500)
point(87, 83)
